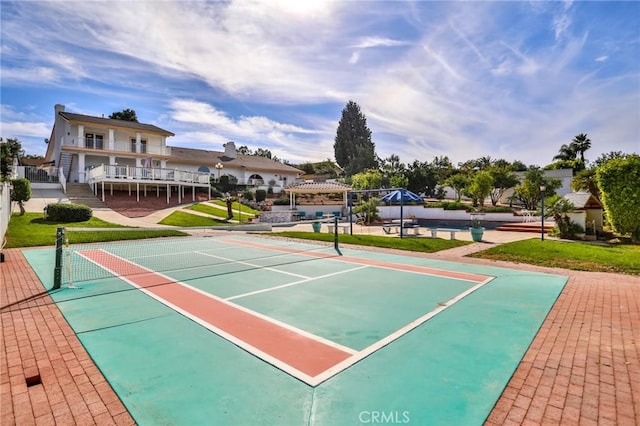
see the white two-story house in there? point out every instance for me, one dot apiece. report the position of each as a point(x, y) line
point(120, 154)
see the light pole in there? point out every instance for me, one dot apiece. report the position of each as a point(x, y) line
point(542, 189)
point(219, 167)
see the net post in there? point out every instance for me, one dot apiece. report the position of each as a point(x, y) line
point(335, 235)
point(57, 272)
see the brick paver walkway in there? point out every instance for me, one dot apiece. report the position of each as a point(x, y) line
point(583, 367)
point(38, 345)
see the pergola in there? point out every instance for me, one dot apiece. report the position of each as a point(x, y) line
point(316, 188)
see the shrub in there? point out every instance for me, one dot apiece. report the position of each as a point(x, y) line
point(21, 192)
point(261, 194)
point(618, 180)
point(66, 212)
point(247, 195)
point(449, 205)
point(497, 209)
point(282, 201)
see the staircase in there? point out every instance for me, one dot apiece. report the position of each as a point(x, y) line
point(66, 161)
point(80, 193)
point(533, 227)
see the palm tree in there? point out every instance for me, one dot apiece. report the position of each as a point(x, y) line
point(566, 153)
point(580, 144)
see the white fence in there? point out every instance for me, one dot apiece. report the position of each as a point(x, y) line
point(5, 210)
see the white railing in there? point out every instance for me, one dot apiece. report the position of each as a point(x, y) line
point(39, 175)
point(118, 145)
point(132, 173)
point(63, 179)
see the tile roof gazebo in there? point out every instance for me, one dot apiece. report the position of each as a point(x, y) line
point(316, 188)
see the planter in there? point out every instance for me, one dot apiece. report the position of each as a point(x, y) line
point(316, 226)
point(476, 234)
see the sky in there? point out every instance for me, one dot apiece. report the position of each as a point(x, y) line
point(463, 79)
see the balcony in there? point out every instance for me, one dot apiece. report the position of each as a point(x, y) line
point(116, 174)
point(118, 145)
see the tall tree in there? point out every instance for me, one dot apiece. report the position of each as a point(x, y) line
point(566, 153)
point(244, 150)
point(528, 192)
point(480, 186)
point(585, 180)
point(353, 148)
point(581, 143)
point(503, 179)
point(423, 178)
point(260, 152)
point(126, 115)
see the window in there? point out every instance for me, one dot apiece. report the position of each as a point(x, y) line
point(94, 141)
point(143, 145)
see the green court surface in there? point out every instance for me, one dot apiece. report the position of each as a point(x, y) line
point(427, 341)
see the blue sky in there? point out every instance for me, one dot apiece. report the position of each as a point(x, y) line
point(511, 80)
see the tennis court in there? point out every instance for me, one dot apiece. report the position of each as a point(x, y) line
point(238, 329)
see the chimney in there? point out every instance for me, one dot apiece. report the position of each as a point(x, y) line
point(230, 150)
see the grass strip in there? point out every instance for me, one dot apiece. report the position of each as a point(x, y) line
point(580, 256)
point(423, 245)
point(31, 230)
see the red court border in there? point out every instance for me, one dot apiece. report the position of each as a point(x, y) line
point(309, 358)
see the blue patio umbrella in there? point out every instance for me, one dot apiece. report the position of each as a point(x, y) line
point(401, 195)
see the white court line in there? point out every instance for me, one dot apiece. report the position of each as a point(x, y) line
point(238, 342)
point(264, 290)
point(242, 262)
point(327, 374)
point(356, 355)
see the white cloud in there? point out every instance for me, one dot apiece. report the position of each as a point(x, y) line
point(461, 79)
point(373, 41)
point(217, 127)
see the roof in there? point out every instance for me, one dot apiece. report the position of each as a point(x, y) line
point(210, 158)
point(317, 187)
point(110, 122)
point(583, 200)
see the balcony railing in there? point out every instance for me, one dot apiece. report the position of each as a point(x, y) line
point(145, 174)
point(118, 145)
point(39, 175)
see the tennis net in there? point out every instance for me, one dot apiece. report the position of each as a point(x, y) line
point(91, 254)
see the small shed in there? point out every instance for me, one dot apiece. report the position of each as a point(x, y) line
point(588, 210)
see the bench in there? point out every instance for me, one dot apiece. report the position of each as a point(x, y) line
point(344, 226)
point(414, 228)
point(388, 228)
point(452, 232)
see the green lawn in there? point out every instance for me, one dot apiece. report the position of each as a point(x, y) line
point(621, 258)
point(424, 245)
point(30, 230)
point(203, 208)
point(234, 207)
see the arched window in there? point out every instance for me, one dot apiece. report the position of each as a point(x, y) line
point(255, 179)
